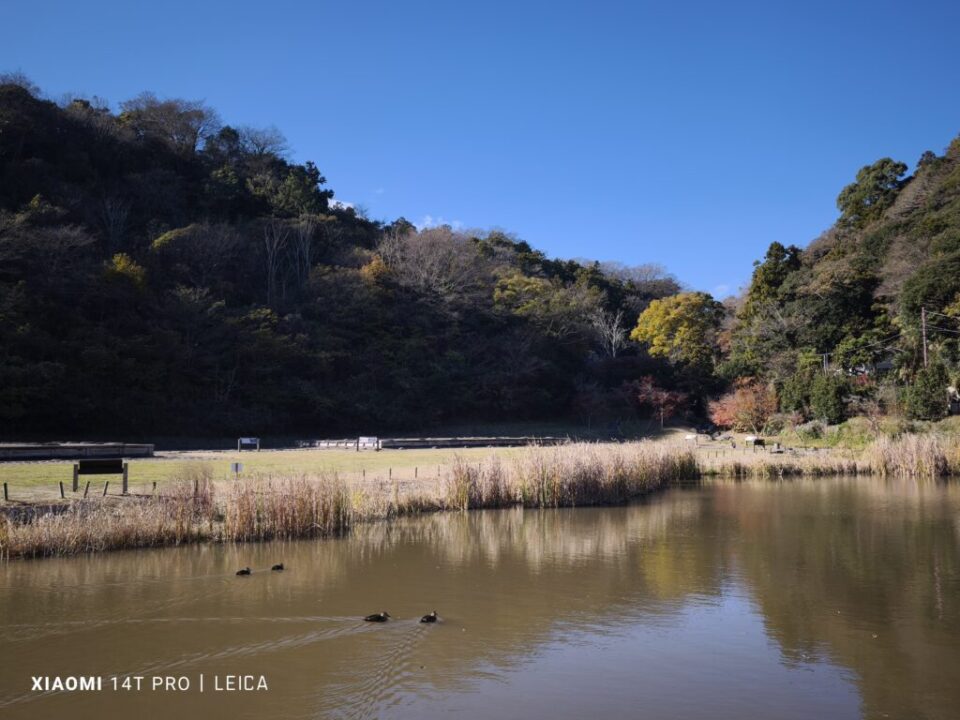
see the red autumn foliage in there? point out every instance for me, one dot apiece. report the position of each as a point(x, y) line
point(663, 402)
point(747, 408)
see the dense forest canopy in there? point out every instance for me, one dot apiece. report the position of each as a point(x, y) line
point(837, 328)
point(162, 272)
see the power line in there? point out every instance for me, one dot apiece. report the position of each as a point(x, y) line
point(893, 337)
point(946, 330)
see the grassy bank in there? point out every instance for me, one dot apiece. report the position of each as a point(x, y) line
point(166, 465)
point(194, 507)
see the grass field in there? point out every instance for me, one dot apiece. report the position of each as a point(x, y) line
point(39, 480)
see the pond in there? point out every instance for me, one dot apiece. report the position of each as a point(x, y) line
point(828, 598)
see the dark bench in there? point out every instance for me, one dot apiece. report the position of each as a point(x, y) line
point(99, 466)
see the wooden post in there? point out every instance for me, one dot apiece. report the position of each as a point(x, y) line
point(414, 472)
point(106, 484)
point(62, 495)
point(86, 489)
point(76, 476)
point(390, 473)
point(6, 492)
point(125, 478)
point(154, 490)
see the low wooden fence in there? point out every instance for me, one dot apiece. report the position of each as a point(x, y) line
point(432, 442)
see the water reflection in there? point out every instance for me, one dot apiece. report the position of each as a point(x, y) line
point(826, 598)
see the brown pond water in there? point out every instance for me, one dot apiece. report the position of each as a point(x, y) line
point(819, 599)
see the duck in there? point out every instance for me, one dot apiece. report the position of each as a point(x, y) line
point(378, 617)
point(431, 618)
point(278, 567)
point(244, 571)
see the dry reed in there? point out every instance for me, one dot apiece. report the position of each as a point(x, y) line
point(766, 466)
point(915, 456)
point(570, 475)
point(283, 507)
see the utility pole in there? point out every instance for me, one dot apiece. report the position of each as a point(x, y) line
point(923, 324)
point(825, 362)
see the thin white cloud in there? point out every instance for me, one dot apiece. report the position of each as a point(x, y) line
point(429, 221)
point(379, 191)
point(721, 290)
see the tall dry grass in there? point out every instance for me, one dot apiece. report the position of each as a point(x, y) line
point(191, 509)
point(569, 475)
point(915, 456)
point(765, 466)
point(301, 507)
point(282, 507)
point(184, 512)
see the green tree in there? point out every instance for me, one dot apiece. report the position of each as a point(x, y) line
point(827, 394)
point(681, 328)
point(795, 393)
point(769, 275)
point(926, 398)
point(559, 310)
point(935, 285)
point(765, 329)
point(873, 192)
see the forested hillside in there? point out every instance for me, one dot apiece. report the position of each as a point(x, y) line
point(837, 328)
point(164, 272)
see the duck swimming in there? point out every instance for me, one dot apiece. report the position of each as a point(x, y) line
point(378, 617)
point(431, 618)
point(277, 567)
point(244, 571)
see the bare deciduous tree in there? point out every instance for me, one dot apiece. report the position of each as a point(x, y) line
point(209, 249)
point(275, 234)
point(646, 273)
point(114, 213)
point(20, 79)
point(303, 247)
point(184, 124)
point(95, 113)
point(610, 330)
point(263, 141)
point(437, 260)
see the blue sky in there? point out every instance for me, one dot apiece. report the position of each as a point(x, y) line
point(690, 134)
